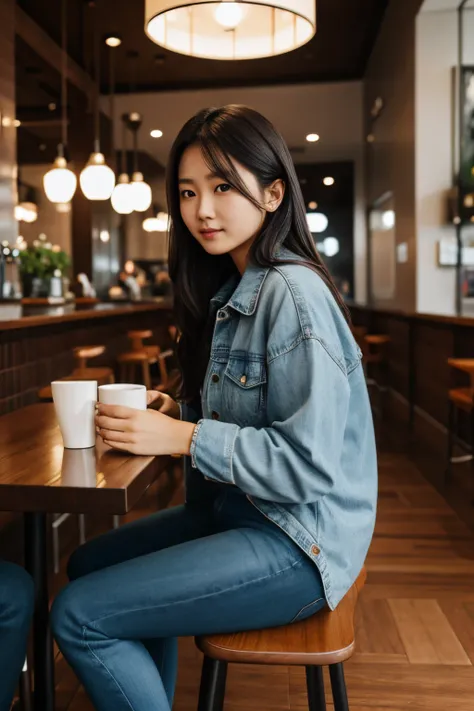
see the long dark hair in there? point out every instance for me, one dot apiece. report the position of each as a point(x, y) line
point(231, 133)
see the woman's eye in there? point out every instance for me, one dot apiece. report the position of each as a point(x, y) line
point(224, 187)
point(186, 193)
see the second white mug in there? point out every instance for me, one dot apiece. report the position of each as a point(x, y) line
point(126, 394)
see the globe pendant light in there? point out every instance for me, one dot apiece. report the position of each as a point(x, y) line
point(122, 196)
point(60, 182)
point(140, 191)
point(230, 29)
point(97, 180)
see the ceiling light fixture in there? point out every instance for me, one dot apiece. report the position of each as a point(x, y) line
point(156, 133)
point(60, 182)
point(312, 137)
point(113, 41)
point(329, 181)
point(230, 29)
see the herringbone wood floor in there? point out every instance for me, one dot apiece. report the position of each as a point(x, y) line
point(415, 620)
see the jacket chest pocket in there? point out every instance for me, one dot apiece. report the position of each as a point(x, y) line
point(244, 389)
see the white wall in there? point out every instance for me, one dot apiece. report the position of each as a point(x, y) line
point(436, 56)
point(334, 111)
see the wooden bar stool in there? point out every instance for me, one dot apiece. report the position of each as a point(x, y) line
point(460, 398)
point(325, 639)
point(82, 354)
point(141, 357)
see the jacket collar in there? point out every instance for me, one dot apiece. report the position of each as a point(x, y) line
point(243, 295)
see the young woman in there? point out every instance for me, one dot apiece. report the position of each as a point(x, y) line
point(281, 481)
point(16, 610)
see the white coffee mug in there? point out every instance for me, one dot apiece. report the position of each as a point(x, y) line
point(74, 402)
point(126, 394)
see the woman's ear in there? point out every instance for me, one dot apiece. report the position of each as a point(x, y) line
point(273, 195)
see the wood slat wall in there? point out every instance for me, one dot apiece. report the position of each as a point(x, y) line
point(33, 357)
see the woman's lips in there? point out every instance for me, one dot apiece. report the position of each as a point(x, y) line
point(209, 234)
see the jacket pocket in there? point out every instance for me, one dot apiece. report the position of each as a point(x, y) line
point(309, 609)
point(244, 388)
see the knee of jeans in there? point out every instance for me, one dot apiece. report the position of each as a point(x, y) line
point(20, 601)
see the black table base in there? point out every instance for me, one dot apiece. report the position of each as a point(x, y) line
point(36, 563)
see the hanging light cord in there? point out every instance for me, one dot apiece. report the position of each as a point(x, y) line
point(123, 154)
point(112, 96)
point(97, 73)
point(135, 149)
point(62, 147)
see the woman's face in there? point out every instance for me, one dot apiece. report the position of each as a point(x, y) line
point(220, 218)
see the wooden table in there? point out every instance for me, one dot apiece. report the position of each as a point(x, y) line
point(38, 476)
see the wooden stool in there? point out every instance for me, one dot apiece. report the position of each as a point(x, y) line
point(374, 355)
point(460, 399)
point(325, 639)
point(103, 375)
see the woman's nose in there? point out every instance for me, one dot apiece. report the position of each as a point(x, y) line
point(206, 208)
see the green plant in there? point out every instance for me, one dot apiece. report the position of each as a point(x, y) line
point(40, 261)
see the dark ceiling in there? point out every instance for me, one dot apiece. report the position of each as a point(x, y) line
point(339, 51)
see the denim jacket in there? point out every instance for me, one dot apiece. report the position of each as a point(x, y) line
point(285, 417)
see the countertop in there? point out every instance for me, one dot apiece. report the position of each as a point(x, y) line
point(16, 316)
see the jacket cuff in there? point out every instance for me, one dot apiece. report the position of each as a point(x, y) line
point(212, 449)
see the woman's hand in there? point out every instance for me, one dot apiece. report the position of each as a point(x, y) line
point(163, 403)
point(145, 432)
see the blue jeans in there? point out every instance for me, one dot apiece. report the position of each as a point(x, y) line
point(16, 610)
point(188, 570)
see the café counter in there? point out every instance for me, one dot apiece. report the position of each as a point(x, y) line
point(37, 342)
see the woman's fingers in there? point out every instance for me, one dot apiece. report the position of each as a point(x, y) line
point(153, 396)
point(112, 424)
point(113, 437)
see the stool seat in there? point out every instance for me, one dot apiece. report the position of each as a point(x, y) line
point(325, 638)
point(88, 351)
point(462, 398)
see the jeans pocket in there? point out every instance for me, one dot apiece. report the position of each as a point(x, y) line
point(309, 609)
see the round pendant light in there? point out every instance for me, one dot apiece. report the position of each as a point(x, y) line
point(231, 29)
point(60, 182)
point(140, 192)
point(97, 179)
point(122, 197)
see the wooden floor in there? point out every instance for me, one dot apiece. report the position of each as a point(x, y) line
point(415, 621)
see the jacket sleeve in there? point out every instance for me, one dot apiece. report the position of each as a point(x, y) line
point(297, 459)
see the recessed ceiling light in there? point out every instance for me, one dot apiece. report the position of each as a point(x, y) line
point(113, 41)
point(312, 205)
point(156, 133)
point(328, 181)
point(312, 137)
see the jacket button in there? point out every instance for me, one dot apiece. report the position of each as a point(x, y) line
point(243, 379)
point(215, 378)
point(215, 415)
point(315, 550)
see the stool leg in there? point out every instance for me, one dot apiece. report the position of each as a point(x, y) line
point(451, 425)
point(146, 375)
point(338, 685)
point(212, 689)
point(315, 687)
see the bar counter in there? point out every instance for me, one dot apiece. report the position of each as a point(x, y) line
point(36, 342)
point(419, 375)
